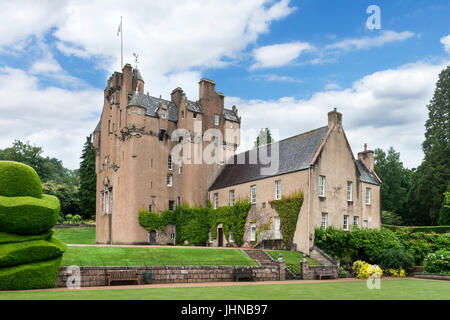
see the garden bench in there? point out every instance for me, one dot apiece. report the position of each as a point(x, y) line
point(242, 273)
point(324, 273)
point(122, 275)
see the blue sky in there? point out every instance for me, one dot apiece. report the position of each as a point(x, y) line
point(285, 64)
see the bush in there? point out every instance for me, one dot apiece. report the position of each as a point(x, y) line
point(69, 218)
point(342, 273)
point(36, 275)
point(14, 238)
point(19, 180)
point(396, 259)
point(28, 215)
point(391, 218)
point(76, 219)
point(438, 262)
point(364, 270)
point(30, 251)
point(334, 242)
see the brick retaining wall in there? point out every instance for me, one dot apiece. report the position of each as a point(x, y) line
point(96, 276)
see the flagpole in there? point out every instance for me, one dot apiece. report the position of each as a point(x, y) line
point(121, 44)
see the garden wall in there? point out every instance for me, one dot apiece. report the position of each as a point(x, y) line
point(96, 276)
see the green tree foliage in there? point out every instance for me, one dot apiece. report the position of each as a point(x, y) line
point(444, 215)
point(88, 180)
point(433, 175)
point(67, 195)
point(264, 137)
point(391, 218)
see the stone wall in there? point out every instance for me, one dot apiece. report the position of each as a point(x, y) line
point(311, 272)
point(321, 257)
point(96, 276)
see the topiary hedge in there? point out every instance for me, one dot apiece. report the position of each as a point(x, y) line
point(28, 215)
point(19, 180)
point(29, 256)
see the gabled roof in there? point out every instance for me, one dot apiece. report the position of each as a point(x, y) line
point(230, 115)
point(98, 127)
point(365, 174)
point(193, 106)
point(295, 153)
point(152, 104)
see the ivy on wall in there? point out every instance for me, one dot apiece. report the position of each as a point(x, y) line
point(288, 209)
point(194, 224)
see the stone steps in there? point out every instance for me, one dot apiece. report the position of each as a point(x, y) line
point(260, 257)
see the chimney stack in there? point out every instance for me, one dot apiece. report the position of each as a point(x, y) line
point(206, 88)
point(367, 157)
point(335, 118)
point(176, 96)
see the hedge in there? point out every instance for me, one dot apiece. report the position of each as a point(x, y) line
point(30, 251)
point(13, 238)
point(437, 229)
point(28, 215)
point(19, 180)
point(38, 275)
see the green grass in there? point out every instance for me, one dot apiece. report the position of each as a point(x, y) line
point(83, 235)
point(390, 289)
point(154, 256)
point(291, 257)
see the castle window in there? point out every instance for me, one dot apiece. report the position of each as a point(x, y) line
point(231, 125)
point(182, 114)
point(368, 196)
point(171, 205)
point(230, 236)
point(345, 226)
point(172, 236)
point(169, 180)
point(278, 190)
point(150, 208)
point(365, 224)
point(216, 141)
point(164, 113)
point(324, 223)
point(322, 186)
point(349, 191)
point(216, 200)
point(180, 169)
point(253, 194)
point(231, 197)
point(170, 162)
point(253, 232)
point(356, 221)
point(162, 133)
point(194, 116)
point(216, 119)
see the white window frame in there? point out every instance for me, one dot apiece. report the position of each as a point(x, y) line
point(231, 125)
point(322, 186)
point(345, 224)
point(253, 232)
point(324, 221)
point(365, 224)
point(253, 194)
point(356, 221)
point(277, 227)
point(169, 180)
point(216, 119)
point(232, 197)
point(170, 162)
point(216, 141)
point(278, 190)
point(230, 235)
point(180, 169)
point(349, 191)
point(368, 196)
point(216, 200)
point(163, 113)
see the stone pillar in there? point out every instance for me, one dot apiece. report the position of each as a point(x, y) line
point(282, 267)
point(304, 269)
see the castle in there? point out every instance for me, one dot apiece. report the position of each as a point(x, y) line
point(155, 154)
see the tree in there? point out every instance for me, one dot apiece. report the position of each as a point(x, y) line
point(88, 180)
point(264, 137)
point(444, 215)
point(433, 175)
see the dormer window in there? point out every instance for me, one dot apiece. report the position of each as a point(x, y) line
point(164, 113)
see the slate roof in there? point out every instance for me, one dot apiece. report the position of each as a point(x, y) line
point(295, 153)
point(152, 104)
point(365, 174)
point(194, 106)
point(230, 115)
point(98, 127)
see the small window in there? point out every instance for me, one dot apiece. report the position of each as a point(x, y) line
point(253, 194)
point(162, 134)
point(349, 191)
point(164, 113)
point(324, 223)
point(194, 116)
point(182, 114)
point(180, 169)
point(356, 221)
point(278, 190)
point(231, 125)
point(172, 236)
point(230, 237)
point(150, 208)
point(322, 186)
point(169, 180)
point(169, 161)
point(216, 119)
point(171, 205)
point(216, 200)
point(253, 232)
point(178, 201)
point(345, 226)
point(365, 224)
point(368, 196)
point(216, 141)
point(231, 197)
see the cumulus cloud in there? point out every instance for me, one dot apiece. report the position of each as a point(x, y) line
point(446, 42)
point(278, 55)
point(382, 109)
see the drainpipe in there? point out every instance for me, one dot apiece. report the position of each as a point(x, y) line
point(309, 201)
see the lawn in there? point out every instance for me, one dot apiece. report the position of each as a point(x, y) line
point(291, 257)
point(83, 235)
point(390, 290)
point(153, 256)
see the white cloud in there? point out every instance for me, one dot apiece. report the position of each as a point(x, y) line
point(278, 55)
point(383, 109)
point(275, 78)
point(56, 119)
point(332, 86)
point(446, 42)
point(386, 36)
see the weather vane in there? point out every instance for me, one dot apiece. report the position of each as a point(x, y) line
point(136, 58)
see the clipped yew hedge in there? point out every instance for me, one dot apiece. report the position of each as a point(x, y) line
point(19, 180)
point(28, 215)
point(12, 238)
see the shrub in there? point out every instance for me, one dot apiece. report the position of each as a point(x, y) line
point(391, 218)
point(19, 180)
point(36, 275)
point(396, 259)
point(334, 242)
point(14, 238)
point(438, 262)
point(76, 219)
point(342, 273)
point(364, 270)
point(69, 218)
point(396, 273)
point(28, 215)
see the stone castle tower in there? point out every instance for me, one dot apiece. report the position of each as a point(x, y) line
point(140, 142)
